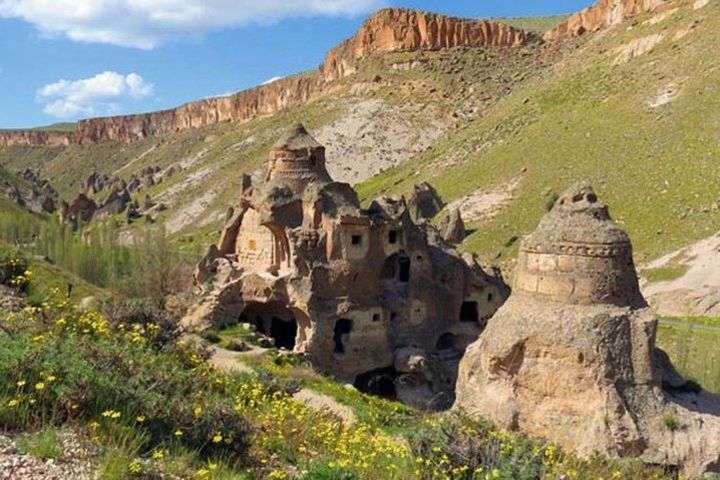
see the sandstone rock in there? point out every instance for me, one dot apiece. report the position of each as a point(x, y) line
point(603, 14)
point(10, 138)
point(302, 261)
point(410, 360)
point(452, 227)
point(81, 210)
point(424, 202)
point(571, 355)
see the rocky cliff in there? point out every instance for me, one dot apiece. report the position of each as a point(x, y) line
point(389, 30)
point(604, 13)
point(24, 138)
point(400, 30)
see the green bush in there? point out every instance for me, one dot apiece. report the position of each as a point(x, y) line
point(60, 364)
point(14, 271)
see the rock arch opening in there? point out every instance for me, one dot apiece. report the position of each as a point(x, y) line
point(274, 320)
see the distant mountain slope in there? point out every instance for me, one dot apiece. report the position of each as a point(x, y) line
point(636, 110)
point(498, 130)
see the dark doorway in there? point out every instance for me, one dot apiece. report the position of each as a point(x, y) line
point(283, 332)
point(404, 263)
point(392, 237)
point(380, 382)
point(273, 319)
point(469, 312)
point(396, 267)
point(342, 328)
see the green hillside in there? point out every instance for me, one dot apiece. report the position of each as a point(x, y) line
point(590, 118)
point(535, 24)
point(519, 123)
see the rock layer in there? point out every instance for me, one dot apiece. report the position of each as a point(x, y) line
point(25, 138)
point(571, 355)
point(389, 30)
point(603, 14)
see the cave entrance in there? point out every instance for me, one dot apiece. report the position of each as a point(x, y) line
point(379, 382)
point(469, 312)
point(275, 320)
point(343, 327)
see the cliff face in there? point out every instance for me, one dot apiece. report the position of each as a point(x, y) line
point(24, 138)
point(262, 100)
point(399, 30)
point(390, 30)
point(604, 13)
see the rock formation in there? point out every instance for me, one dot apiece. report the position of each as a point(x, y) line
point(29, 190)
point(350, 288)
point(29, 138)
point(424, 201)
point(402, 30)
point(389, 30)
point(571, 355)
point(452, 227)
point(80, 211)
point(603, 14)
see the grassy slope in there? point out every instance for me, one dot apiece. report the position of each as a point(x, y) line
point(590, 120)
point(535, 24)
point(584, 119)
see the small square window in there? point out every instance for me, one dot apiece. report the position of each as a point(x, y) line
point(392, 237)
point(356, 239)
point(252, 245)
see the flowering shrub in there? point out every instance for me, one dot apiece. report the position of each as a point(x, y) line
point(60, 363)
point(14, 271)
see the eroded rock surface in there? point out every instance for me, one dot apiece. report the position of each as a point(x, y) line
point(603, 14)
point(571, 355)
point(352, 289)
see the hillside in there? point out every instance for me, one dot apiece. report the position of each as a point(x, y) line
point(637, 120)
point(499, 130)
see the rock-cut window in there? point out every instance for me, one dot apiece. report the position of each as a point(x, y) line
point(392, 237)
point(356, 240)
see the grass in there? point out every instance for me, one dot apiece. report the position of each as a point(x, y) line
point(589, 119)
point(150, 405)
point(665, 273)
point(692, 345)
point(45, 444)
point(535, 24)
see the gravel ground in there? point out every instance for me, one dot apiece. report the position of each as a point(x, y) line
point(73, 465)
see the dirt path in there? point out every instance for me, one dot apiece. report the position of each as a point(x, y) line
point(229, 361)
point(321, 401)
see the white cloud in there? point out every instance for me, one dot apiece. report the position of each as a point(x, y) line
point(101, 94)
point(146, 23)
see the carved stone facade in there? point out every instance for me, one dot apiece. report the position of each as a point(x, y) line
point(571, 355)
point(346, 286)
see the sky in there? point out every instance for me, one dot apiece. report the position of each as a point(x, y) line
point(62, 60)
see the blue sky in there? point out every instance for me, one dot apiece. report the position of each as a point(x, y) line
point(61, 60)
